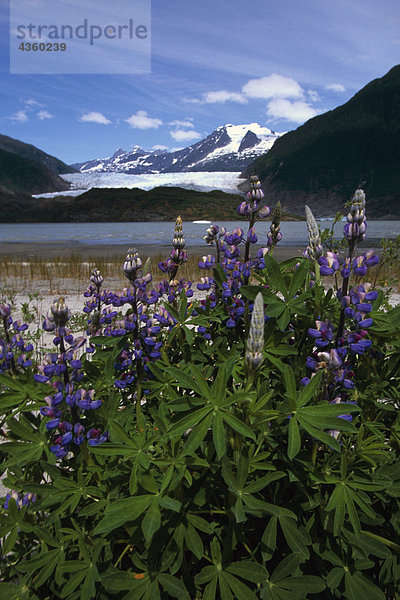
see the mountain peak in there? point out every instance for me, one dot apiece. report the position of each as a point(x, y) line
point(228, 148)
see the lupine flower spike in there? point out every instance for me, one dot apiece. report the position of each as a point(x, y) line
point(255, 341)
point(314, 248)
point(356, 225)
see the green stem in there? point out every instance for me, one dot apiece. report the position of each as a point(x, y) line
point(345, 288)
point(121, 556)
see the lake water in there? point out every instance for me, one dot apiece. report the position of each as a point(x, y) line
point(160, 233)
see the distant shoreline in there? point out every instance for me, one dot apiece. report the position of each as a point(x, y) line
point(26, 251)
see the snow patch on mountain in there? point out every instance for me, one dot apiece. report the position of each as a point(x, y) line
point(228, 148)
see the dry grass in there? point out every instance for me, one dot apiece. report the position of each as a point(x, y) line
point(63, 274)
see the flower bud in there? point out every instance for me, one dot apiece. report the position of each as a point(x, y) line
point(255, 342)
point(5, 311)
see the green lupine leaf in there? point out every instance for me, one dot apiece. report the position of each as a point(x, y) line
point(351, 509)
point(294, 440)
point(215, 551)
point(319, 435)
point(189, 421)
point(238, 425)
point(304, 584)
point(298, 278)
point(265, 507)
point(201, 382)
point(239, 589)
point(243, 468)
point(183, 379)
point(358, 586)
point(206, 574)
point(337, 503)
point(219, 437)
point(308, 391)
point(151, 521)
point(269, 538)
point(325, 421)
point(262, 482)
point(275, 278)
point(218, 388)
point(210, 590)
point(251, 571)
point(193, 541)
point(296, 538)
point(199, 523)
point(238, 511)
point(8, 400)
point(174, 586)
point(290, 382)
point(286, 567)
point(123, 511)
point(170, 503)
point(197, 435)
point(284, 320)
point(224, 589)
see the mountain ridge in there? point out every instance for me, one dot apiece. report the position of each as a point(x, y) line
point(227, 148)
point(322, 162)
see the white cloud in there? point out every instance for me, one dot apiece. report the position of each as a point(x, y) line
point(176, 149)
point(19, 117)
point(186, 123)
point(222, 96)
point(44, 114)
point(159, 147)
point(32, 102)
point(184, 135)
point(295, 112)
point(273, 86)
point(191, 101)
point(142, 120)
point(335, 87)
point(95, 117)
point(313, 95)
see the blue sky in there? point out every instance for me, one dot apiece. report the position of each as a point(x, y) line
point(213, 62)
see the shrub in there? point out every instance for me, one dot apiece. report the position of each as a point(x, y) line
point(241, 446)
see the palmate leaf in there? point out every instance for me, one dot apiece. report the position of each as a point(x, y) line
point(123, 511)
point(275, 277)
point(282, 585)
point(358, 586)
point(342, 501)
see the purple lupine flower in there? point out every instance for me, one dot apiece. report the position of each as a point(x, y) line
point(328, 264)
point(20, 499)
point(95, 437)
point(252, 236)
point(5, 311)
point(323, 333)
point(132, 264)
point(370, 258)
point(234, 238)
point(208, 262)
point(359, 267)
point(356, 225)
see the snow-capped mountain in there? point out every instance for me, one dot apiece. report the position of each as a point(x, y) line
point(228, 148)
